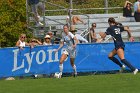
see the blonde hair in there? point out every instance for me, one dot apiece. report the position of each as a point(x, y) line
point(22, 35)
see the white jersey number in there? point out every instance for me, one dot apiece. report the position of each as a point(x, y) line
point(117, 31)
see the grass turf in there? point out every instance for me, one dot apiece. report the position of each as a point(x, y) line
point(109, 83)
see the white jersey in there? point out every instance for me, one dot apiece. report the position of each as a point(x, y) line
point(69, 39)
point(22, 44)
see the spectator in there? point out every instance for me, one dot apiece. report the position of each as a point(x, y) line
point(79, 37)
point(51, 36)
point(21, 42)
point(35, 42)
point(94, 38)
point(137, 10)
point(47, 40)
point(35, 5)
point(75, 20)
point(127, 10)
point(54, 40)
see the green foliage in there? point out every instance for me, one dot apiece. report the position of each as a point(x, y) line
point(13, 21)
point(80, 4)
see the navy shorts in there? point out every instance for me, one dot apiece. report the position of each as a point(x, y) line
point(119, 45)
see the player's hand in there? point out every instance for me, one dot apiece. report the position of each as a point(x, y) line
point(131, 39)
point(101, 34)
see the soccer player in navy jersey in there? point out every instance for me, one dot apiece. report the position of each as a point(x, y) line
point(115, 31)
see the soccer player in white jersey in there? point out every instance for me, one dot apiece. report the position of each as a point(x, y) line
point(71, 42)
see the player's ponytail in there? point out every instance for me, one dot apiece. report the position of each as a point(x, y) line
point(112, 20)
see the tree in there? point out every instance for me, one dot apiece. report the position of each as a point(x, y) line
point(13, 21)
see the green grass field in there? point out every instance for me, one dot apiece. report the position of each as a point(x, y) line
point(108, 83)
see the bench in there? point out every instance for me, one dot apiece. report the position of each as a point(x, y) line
point(101, 19)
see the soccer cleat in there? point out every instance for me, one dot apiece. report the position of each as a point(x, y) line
point(75, 75)
point(39, 24)
point(60, 75)
point(135, 71)
point(122, 68)
point(35, 76)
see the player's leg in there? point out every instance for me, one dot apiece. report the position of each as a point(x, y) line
point(36, 15)
point(34, 10)
point(120, 53)
point(73, 66)
point(41, 7)
point(79, 19)
point(72, 59)
point(62, 59)
point(115, 60)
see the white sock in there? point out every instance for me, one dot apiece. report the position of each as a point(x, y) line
point(61, 68)
point(74, 68)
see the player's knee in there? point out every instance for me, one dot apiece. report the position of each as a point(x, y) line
point(72, 64)
point(61, 61)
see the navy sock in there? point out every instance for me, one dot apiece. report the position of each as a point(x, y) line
point(128, 64)
point(115, 60)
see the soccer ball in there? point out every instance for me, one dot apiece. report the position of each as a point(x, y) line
point(57, 75)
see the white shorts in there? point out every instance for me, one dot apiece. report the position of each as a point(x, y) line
point(71, 53)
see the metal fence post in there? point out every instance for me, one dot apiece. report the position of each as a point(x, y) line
point(89, 37)
point(44, 18)
point(27, 15)
point(106, 6)
point(70, 13)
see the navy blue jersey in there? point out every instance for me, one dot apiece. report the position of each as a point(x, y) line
point(115, 32)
